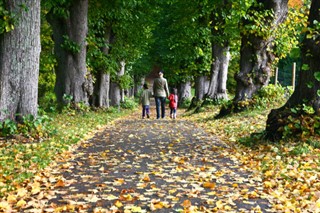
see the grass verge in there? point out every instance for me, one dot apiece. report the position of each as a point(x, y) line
point(21, 159)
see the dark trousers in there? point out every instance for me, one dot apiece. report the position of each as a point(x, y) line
point(161, 103)
point(145, 110)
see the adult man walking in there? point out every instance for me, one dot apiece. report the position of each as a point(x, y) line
point(160, 92)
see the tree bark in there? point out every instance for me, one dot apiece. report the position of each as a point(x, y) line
point(219, 70)
point(116, 93)
point(201, 87)
point(256, 58)
point(184, 92)
point(308, 86)
point(19, 62)
point(71, 72)
point(101, 90)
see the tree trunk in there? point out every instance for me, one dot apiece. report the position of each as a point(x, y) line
point(116, 92)
point(19, 61)
point(101, 90)
point(308, 87)
point(256, 58)
point(184, 92)
point(102, 86)
point(201, 87)
point(219, 71)
point(138, 85)
point(69, 35)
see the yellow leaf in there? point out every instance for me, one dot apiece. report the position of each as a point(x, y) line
point(146, 178)
point(21, 192)
point(111, 197)
point(5, 206)
point(136, 209)
point(268, 173)
point(219, 204)
point(11, 199)
point(118, 204)
point(36, 188)
point(267, 184)
point(21, 203)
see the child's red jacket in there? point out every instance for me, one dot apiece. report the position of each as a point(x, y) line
point(173, 101)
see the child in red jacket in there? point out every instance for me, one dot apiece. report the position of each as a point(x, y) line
point(173, 103)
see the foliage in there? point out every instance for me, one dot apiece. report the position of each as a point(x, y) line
point(125, 81)
point(129, 103)
point(47, 64)
point(301, 123)
point(70, 45)
point(8, 127)
point(58, 7)
point(7, 19)
point(184, 104)
point(262, 100)
point(287, 34)
point(30, 127)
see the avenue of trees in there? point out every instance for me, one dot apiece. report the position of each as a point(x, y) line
point(98, 52)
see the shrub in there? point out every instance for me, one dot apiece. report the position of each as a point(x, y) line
point(129, 103)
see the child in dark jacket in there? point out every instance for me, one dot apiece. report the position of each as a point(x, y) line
point(145, 101)
point(173, 103)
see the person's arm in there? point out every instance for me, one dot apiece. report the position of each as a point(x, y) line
point(166, 88)
point(154, 86)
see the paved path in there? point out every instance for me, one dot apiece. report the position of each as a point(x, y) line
point(154, 165)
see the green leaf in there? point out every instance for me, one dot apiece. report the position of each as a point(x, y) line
point(305, 67)
point(318, 92)
point(317, 76)
point(310, 85)
point(293, 110)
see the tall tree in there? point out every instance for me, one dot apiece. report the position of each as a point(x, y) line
point(257, 34)
point(125, 27)
point(19, 61)
point(220, 15)
point(69, 23)
point(307, 92)
point(100, 39)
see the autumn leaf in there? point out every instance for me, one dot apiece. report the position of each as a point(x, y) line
point(118, 204)
point(11, 199)
point(36, 188)
point(21, 203)
point(146, 178)
point(60, 183)
point(209, 185)
point(186, 203)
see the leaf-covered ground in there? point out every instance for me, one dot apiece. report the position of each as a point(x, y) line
point(289, 169)
point(140, 165)
point(192, 164)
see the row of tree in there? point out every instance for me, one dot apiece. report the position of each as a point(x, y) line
point(96, 48)
point(87, 45)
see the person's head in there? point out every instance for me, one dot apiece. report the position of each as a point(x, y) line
point(161, 73)
point(174, 91)
point(145, 86)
